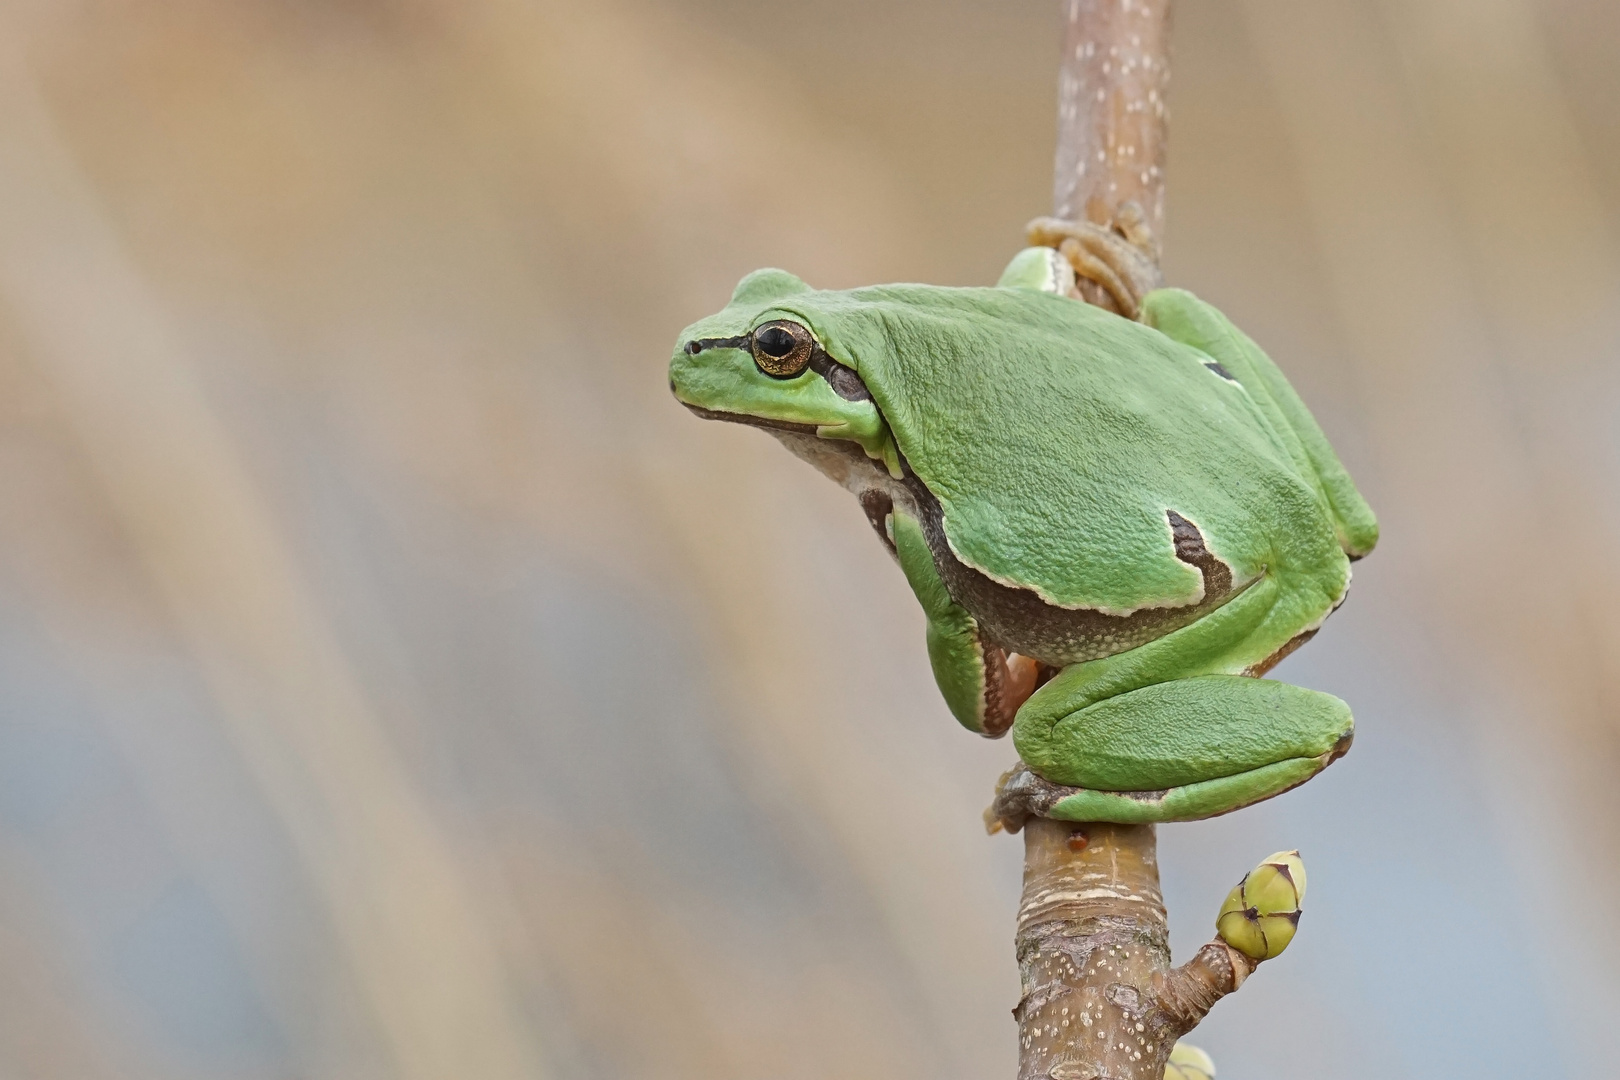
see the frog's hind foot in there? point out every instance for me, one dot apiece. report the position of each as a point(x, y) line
point(1194, 802)
point(1021, 794)
point(1216, 743)
point(1118, 259)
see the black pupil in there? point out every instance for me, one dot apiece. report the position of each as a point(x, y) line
point(775, 341)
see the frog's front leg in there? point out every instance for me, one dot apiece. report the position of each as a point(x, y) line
point(1119, 258)
point(1170, 732)
point(983, 684)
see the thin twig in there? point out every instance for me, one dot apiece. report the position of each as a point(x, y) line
point(1112, 116)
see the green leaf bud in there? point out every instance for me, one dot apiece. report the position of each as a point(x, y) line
point(1261, 914)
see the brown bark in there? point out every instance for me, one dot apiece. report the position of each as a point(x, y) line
point(1100, 999)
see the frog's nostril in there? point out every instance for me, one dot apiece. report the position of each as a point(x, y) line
point(692, 348)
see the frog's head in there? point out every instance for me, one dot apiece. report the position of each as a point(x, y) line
point(761, 361)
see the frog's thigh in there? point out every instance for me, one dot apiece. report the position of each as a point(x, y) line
point(1245, 629)
point(1191, 748)
point(971, 672)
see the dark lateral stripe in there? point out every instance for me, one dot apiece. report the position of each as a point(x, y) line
point(697, 345)
point(843, 380)
point(1019, 621)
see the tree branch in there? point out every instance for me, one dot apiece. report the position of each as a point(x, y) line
point(1100, 999)
point(1112, 120)
point(1091, 938)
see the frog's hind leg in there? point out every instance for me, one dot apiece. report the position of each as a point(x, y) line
point(1195, 748)
point(1173, 730)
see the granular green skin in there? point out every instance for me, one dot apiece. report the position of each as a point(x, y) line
point(1058, 440)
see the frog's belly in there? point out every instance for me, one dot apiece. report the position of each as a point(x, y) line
point(1020, 621)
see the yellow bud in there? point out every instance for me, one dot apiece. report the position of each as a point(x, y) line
point(1189, 1063)
point(1260, 915)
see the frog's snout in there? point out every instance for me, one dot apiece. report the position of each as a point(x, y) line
point(682, 370)
point(700, 365)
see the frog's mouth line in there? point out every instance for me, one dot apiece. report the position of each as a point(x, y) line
point(750, 421)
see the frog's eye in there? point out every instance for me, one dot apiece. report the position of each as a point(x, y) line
point(782, 348)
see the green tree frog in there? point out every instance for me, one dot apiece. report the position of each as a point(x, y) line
point(1113, 526)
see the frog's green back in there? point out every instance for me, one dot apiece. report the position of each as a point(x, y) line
point(1056, 436)
point(1187, 319)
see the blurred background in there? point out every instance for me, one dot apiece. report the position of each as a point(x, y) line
point(396, 683)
